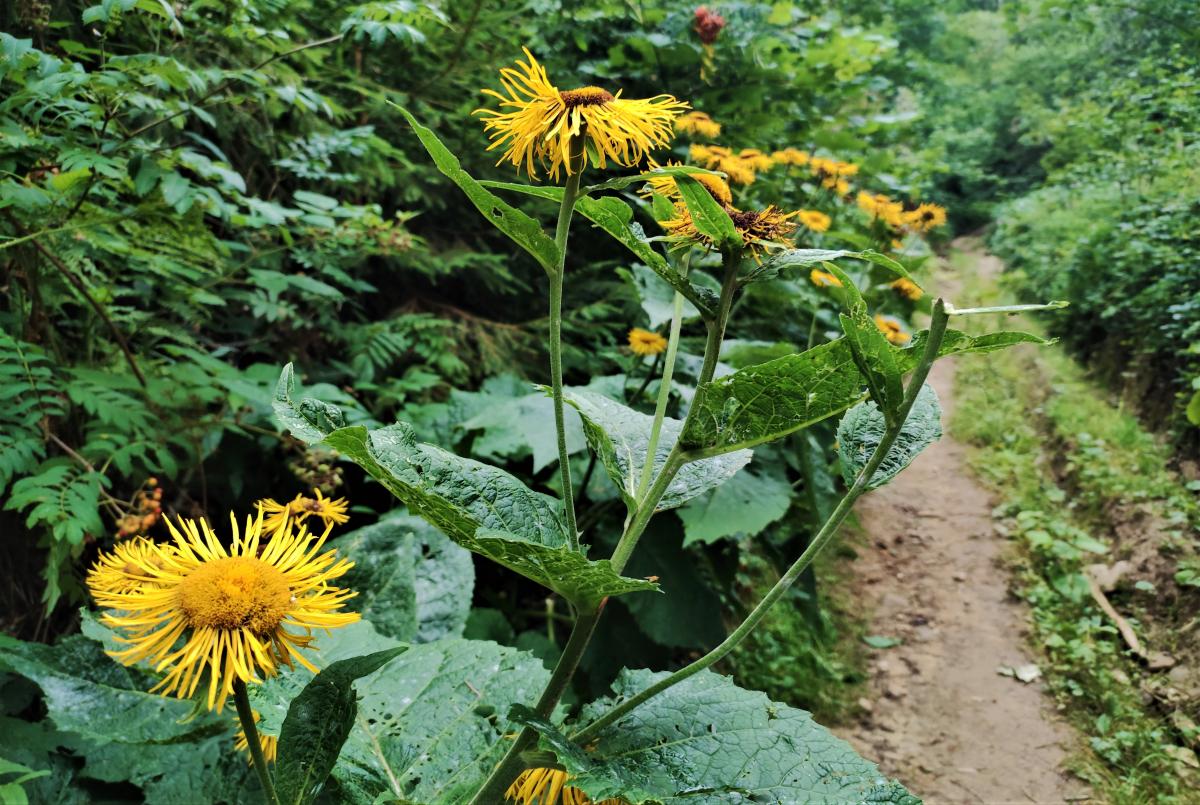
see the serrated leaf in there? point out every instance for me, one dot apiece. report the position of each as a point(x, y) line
point(616, 218)
point(523, 230)
point(707, 741)
point(318, 722)
point(764, 402)
point(620, 437)
point(431, 722)
point(744, 505)
point(413, 583)
point(482, 508)
point(708, 216)
point(863, 426)
point(782, 261)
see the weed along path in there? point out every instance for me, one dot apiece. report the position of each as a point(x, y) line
point(938, 715)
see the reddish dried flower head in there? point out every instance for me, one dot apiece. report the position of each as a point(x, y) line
point(708, 25)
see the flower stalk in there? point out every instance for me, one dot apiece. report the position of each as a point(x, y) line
point(937, 332)
point(664, 396)
point(246, 715)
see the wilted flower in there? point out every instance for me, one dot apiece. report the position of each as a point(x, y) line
point(708, 25)
point(759, 229)
point(538, 123)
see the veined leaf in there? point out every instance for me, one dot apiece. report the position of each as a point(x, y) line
point(872, 352)
point(745, 505)
point(431, 722)
point(706, 741)
point(709, 217)
point(957, 342)
point(779, 262)
point(616, 218)
point(523, 230)
point(764, 402)
point(620, 436)
point(318, 722)
point(863, 426)
point(482, 508)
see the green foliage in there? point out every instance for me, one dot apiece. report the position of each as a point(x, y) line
point(863, 427)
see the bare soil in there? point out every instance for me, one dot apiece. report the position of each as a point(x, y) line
point(938, 716)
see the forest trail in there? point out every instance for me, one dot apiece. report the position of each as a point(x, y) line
point(940, 717)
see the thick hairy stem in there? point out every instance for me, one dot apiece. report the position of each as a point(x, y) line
point(246, 715)
point(511, 764)
point(937, 331)
point(565, 212)
point(664, 396)
point(716, 326)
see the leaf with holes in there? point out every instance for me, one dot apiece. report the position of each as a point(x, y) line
point(620, 437)
point(863, 426)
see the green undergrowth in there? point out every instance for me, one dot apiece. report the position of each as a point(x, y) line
point(1082, 483)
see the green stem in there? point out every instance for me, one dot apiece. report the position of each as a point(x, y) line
point(565, 212)
point(716, 326)
point(646, 508)
point(664, 396)
point(937, 331)
point(512, 764)
point(246, 715)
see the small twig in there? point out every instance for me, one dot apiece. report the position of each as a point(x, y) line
point(1127, 633)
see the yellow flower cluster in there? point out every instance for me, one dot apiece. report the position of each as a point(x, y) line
point(791, 156)
point(833, 173)
point(922, 219)
point(698, 124)
point(197, 609)
point(741, 168)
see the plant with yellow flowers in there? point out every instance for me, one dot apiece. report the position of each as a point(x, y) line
point(689, 727)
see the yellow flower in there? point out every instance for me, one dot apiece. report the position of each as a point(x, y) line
point(823, 279)
point(791, 156)
point(644, 342)
point(717, 157)
point(815, 220)
point(698, 123)
point(269, 743)
point(195, 608)
point(119, 572)
point(880, 206)
point(891, 327)
point(548, 787)
point(841, 187)
point(908, 289)
point(329, 510)
point(665, 185)
point(832, 173)
point(759, 230)
point(756, 159)
point(926, 217)
point(538, 123)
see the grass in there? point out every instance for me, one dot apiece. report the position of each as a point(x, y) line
point(1068, 465)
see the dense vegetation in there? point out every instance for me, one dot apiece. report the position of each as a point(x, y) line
point(193, 196)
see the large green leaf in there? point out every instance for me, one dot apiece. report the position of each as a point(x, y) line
point(524, 231)
point(431, 722)
point(616, 218)
point(863, 426)
point(708, 741)
point(413, 583)
point(779, 262)
point(769, 400)
point(956, 342)
point(482, 508)
point(745, 505)
point(872, 352)
point(516, 427)
point(317, 724)
point(708, 216)
point(620, 437)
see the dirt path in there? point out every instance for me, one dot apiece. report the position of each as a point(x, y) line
point(941, 718)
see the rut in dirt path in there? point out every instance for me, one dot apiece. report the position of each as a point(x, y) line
point(941, 719)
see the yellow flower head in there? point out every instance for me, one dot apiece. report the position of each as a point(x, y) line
point(717, 157)
point(908, 289)
point(269, 743)
point(196, 608)
point(548, 787)
point(823, 279)
point(815, 220)
point(699, 124)
point(756, 159)
point(892, 329)
point(926, 217)
point(841, 187)
point(644, 342)
point(537, 123)
point(119, 572)
point(791, 156)
point(879, 206)
point(759, 230)
point(300, 508)
point(665, 186)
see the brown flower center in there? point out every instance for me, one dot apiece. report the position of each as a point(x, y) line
point(237, 592)
point(585, 96)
